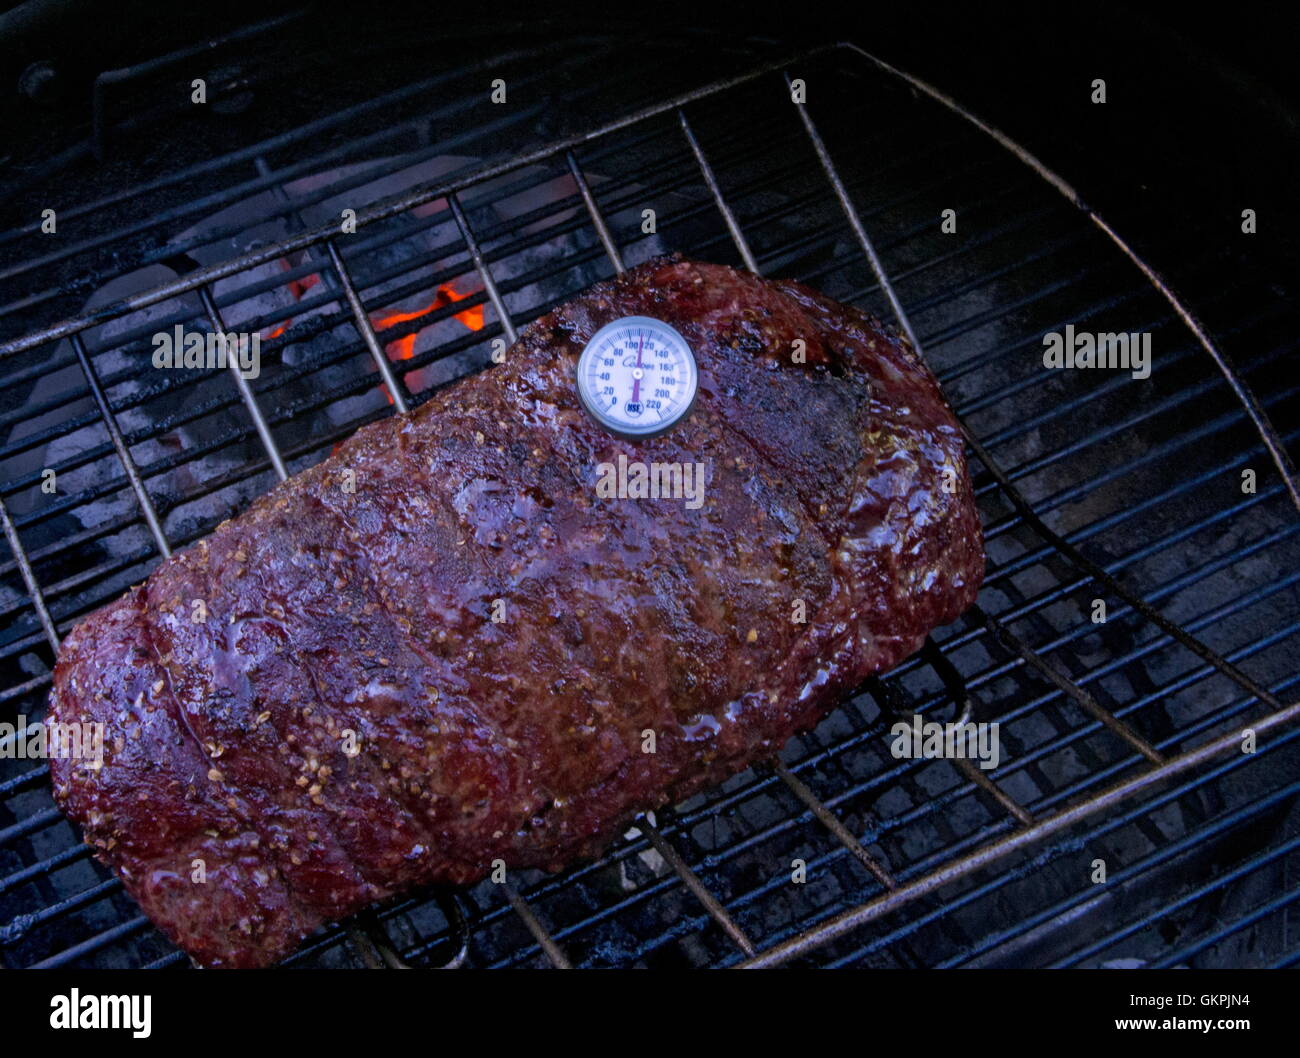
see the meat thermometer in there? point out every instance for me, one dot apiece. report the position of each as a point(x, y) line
point(637, 376)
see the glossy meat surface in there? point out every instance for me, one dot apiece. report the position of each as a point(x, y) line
point(339, 718)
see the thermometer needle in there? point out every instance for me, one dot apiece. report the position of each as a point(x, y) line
point(636, 379)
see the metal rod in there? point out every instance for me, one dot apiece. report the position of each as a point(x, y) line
point(457, 927)
point(462, 222)
point(1065, 685)
point(951, 678)
point(955, 683)
point(245, 390)
point(891, 697)
point(396, 389)
point(29, 577)
point(833, 824)
point(693, 883)
point(123, 453)
point(294, 222)
point(93, 944)
point(844, 923)
point(29, 825)
point(706, 170)
point(1009, 804)
point(553, 952)
point(293, 217)
point(607, 240)
point(374, 931)
point(365, 948)
point(1258, 416)
point(855, 221)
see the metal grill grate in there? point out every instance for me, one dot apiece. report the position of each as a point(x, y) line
point(1123, 738)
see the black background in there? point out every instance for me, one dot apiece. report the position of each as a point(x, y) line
point(1202, 118)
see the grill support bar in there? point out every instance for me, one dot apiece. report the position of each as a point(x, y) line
point(123, 453)
point(715, 189)
point(29, 578)
point(602, 229)
point(1066, 685)
point(245, 390)
point(397, 390)
point(832, 823)
point(553, 951)
point(38, 599)
point(855, 221)
point(955, 684)
point(489, 284)
point(711, 903)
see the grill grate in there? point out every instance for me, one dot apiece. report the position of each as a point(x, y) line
point(1122, 735)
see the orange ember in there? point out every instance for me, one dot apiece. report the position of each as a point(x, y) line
point(399, 348)
point(404, 348)
point(298, 288)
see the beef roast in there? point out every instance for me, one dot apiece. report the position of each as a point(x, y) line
point(440, 647)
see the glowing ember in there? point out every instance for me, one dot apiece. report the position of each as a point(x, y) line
point(298, 288)
point(399, 348)
point(404, 348)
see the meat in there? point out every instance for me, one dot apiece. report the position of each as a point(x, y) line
point(440, 647)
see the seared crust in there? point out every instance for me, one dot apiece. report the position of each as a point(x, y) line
point(357, 597)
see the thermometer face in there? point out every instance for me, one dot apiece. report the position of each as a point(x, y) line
point(637, 376)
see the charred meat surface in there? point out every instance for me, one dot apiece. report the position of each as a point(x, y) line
point(317, 703)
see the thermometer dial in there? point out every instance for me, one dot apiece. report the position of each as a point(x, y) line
point(637, 376)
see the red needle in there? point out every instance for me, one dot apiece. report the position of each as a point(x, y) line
point(636, 382)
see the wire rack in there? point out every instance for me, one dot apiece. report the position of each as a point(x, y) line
point(967, 836)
